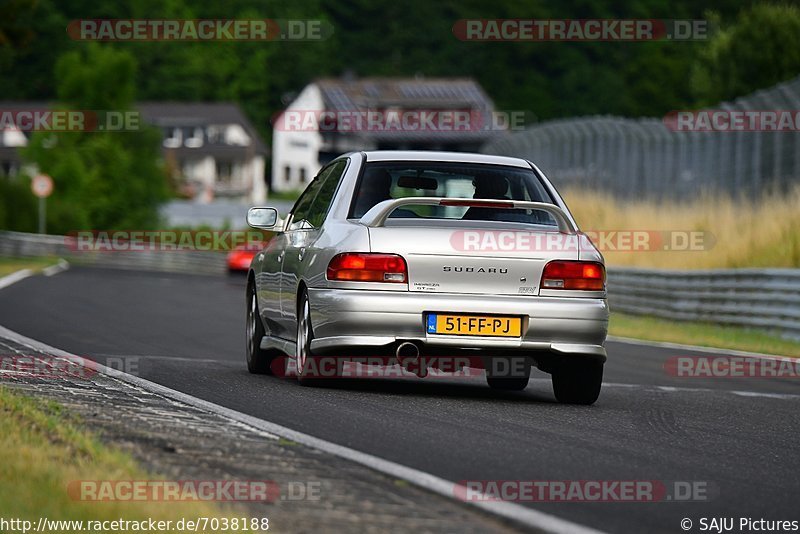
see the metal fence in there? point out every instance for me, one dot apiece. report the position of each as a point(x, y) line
point(17, 244)
point(766, 299)
point(634, 158)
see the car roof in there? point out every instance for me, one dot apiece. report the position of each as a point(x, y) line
point(459, 157)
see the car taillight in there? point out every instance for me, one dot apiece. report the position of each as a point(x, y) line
point(587, 275)
point(366, 267)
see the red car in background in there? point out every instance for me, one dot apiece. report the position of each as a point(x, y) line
point(239, 258)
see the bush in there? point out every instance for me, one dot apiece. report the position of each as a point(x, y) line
point(18, 205)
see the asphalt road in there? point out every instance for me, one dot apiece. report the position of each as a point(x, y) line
point(737, 436)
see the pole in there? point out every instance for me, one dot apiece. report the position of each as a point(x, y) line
point(42, 214)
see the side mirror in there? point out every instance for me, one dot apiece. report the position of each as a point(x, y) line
point(262, 218)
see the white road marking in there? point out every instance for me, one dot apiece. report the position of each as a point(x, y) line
point(768, 395)
point(697, 348)
point(59, 267)
point(15, 277)
point(159, 357)
point(515, 512)
point(22, 274)
point(675, 389)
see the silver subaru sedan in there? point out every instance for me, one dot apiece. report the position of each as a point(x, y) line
point(424, 256)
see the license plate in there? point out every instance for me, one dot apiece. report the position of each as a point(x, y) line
point(474, 325)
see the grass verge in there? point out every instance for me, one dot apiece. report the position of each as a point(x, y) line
point(12, 265)
point(703, 334)
point(736, 233)
point(46, 450)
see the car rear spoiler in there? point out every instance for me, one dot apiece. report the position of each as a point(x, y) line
point(376, 217)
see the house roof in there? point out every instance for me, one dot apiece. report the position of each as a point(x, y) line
point(201, 114)
point(25, 105)
point(438, 93)
point(341, 94)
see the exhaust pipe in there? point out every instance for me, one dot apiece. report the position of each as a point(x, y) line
point(407, 351)
point(407, 354)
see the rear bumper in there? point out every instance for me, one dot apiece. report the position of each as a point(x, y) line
point(366, 320)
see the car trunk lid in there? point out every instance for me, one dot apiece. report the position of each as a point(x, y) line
point(506, 261)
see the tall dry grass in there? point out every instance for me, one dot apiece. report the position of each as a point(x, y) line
point(761, 234)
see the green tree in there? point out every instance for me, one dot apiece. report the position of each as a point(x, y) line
point(389, 38)
point(17, 205)
point(103, 179)
point(760, 50)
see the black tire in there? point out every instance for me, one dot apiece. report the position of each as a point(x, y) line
point(305, 334)
point(259, 361)
point(578, 382)
point(312, 370)
point(508, 374)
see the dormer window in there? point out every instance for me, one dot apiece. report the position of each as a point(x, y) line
point(196, 140)
point(214, 134)
point(235, 135)
point(174, 138)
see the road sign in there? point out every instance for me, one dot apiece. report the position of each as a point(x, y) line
point(42, 185)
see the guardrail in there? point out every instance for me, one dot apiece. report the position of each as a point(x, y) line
point(18, 244)
point(767, 299)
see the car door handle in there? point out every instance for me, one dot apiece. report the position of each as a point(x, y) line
point(301, 254)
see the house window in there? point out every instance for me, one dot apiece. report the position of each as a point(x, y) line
point(302, 175)
point(174, 138)
point(225, 171)
point(214, 133)
point(235, 135)
point(6, 168)
point(196, 140)
point(287, 173)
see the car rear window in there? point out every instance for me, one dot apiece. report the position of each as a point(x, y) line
point(390, 180)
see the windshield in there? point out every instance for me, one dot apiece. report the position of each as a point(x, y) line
point(390, 180)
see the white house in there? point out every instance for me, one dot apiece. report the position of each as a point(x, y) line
point(211, 149)
point(333, 116)
point(13, 139)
